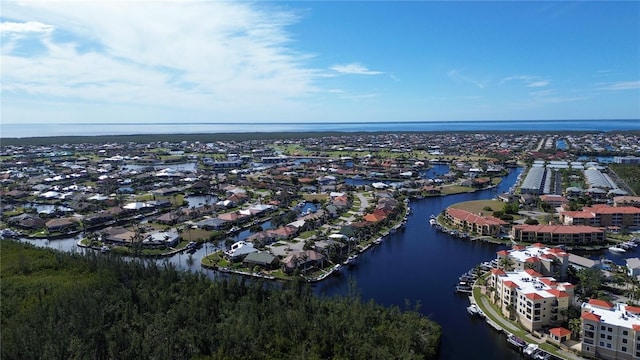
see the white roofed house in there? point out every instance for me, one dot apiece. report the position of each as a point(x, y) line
point(239, 250)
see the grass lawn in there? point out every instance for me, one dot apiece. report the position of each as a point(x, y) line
point(479, 205)
point(196, 234)
point(456, 189)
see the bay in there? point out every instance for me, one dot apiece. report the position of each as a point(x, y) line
point(93, 129)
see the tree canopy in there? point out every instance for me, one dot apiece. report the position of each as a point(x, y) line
point(68, 306)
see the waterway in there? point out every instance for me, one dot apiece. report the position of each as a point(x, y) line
point(417, 265)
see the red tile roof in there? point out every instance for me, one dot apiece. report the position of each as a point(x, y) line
point(591, 317)
point(558, 293)
point(559, 229)
point(632, 309)
point(601, 303)
point(473, 218)
point(636, 327)
point(560, 332)
point(498, 271)
point(534, 296)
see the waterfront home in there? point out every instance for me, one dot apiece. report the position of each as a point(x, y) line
point(61, 225)
point(558, 234)
point(534, 300)
point(303, 261)
point(610, 331)
point(468, 221)
point(263, 259)
point(239, 250)
point(27, 221)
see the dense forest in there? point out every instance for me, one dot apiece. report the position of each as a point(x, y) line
point(69, 306)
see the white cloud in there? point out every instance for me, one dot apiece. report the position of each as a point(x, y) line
point(457, 75)
point(354, 69)
point(229, 58)
point(528, 80)
point(620, 85)
point(8, 27)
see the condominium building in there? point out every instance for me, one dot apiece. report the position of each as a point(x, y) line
point(533, 300)
point(548, 261)
point(470, 222)
point(610, 331)
point(603, 216)
point(558, 234)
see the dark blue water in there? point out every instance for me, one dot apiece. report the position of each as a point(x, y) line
point(422, 265)
point(90, 129)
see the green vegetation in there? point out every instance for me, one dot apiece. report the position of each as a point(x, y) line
point(630, 174)
point(480, 206)
point(70, 306)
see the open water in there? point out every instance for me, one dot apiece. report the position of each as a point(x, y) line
point(92, 129)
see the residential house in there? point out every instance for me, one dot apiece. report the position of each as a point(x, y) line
point(303, 261)
point(262, 259)
point(239, 250)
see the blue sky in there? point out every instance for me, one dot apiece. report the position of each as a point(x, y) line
point(328, 61)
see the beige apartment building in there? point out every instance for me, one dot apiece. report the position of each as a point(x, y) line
point(610, 331)
point(530, 298)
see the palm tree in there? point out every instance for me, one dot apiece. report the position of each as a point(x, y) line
point(506, 263)
point(575, 325)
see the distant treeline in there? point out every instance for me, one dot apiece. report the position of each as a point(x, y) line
point(68, 306)
point(212, 137)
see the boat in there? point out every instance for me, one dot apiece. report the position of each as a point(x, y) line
point(433, 220)
point(516, 341)
point(530, 350)
point(9, 234)
point(378, 241)
point(350, 260)
point(463, 287)
point(474, 310)
point(617, 249)
point(105, 249)
point(337, 268)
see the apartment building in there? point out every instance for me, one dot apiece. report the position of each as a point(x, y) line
point(603, 216)
point(532, 299)
point(610, 331)
point(470, 222)
point(548, 261)
point(558, 234)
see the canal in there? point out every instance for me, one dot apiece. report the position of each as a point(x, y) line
point(417, 265)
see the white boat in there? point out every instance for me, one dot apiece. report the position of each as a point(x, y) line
point(378, 241)
point(617, 249)
point(350, 260)
point(105, 249)
point(474, 310)
point(337, 268)
point(530, 349)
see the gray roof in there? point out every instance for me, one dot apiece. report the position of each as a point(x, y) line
point(260, 258)
point(633, 263)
